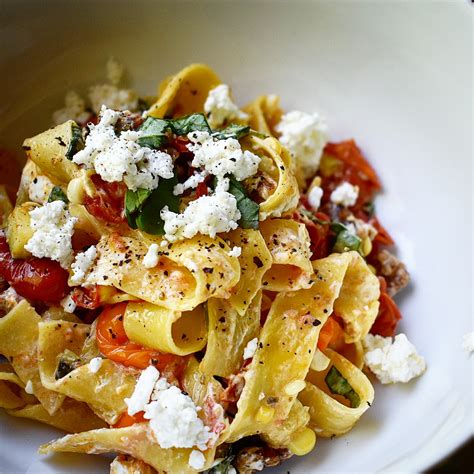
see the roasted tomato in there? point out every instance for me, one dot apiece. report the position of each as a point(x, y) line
point(37, 279)
point(108, 202)
point(114, 344)
point(389, 314)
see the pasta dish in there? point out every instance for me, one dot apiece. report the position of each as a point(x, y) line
point(194, 286)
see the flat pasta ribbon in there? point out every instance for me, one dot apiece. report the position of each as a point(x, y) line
point(289, 245)
point(185, 92)
point(188, 272)
point(329, 415)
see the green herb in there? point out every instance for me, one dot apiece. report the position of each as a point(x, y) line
point(153, 133)
point(232, 131)
point(68, 361)
point(142, 207)
point(224, 467)
point(190, 123)
point(57, 194)
point(236, 131)
point(369, 208)
point(340, 386)
point(76, 143)
point(312, 217)
point(345, 241)
point(248, 209)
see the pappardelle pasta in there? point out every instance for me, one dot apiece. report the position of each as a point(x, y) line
point(194, 286)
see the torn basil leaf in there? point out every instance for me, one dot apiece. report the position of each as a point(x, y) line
point(68, 361)
point(57, 194)
point(142, 207)
point(153, 133)
point(232, 131)
point(224, 467)
point(134, 201)
point(190, 123)
point(346, 241)
point(76, 143)
point(248, 209)
point(340, 386)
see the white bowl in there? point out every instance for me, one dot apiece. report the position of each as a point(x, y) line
point(394, 75)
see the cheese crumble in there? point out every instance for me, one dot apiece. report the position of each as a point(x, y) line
point(392, 360)
point(116, 158)
point(95, 364)
point(197, 459)
point(151, 259)
point(221, 157)
point(305, 135)
point(29, 387)
point(235, 252)
point(345, 194)
point(251, 348)
point(314, 197)
point(220, 108)
point(82, 264)
point(53, 228)
point(208, 215)
point(173, 415)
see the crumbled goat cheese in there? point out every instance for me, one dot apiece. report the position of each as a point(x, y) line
point(117, 158)
point(112, 97)
point(191, 183)
point(235, 252)
point(74, 109)
point(29, 387)
point(150, 260)
point(305, 135)
point(190, 265)
point(208, 215)
point(143, 390)
point(392, 361)
point(197, 459)
point(360, 228)
point(173, 415)
point(115, 71)
point(53, 227)
point(314, 197)
point(345, 194)
point(221, 157)
point(220, 108)
point(251, 348)
point(95, 364)
point(39, 189)
point(82, 264)
point(68, 304)
point(468, 342)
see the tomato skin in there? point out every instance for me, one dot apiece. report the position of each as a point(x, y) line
point(320, 235)
point(388, 316)
point(37, 279)
point(114, 344)
point(86, 297)
point(355, 169)
point(108, 202)
point(330, 333)
point(129, 420)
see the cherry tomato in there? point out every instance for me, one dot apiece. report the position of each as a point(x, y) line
point(330, 334)
point(319, 234)
point(388, 315)
point(37, 279)
point(108, 202)
point(129, 420)
point(114, 344)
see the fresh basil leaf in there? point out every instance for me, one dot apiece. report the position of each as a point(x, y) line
point(142, 207)
point(224, 467)
point(190, 123)
point(248, 209)
point(232, 131)
point(57, 194)
point(153, 133)
point(76, 143)
point(134, 201)
point(340, 386)
point(345, 241)
point(68, 361)
point(337, 227)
